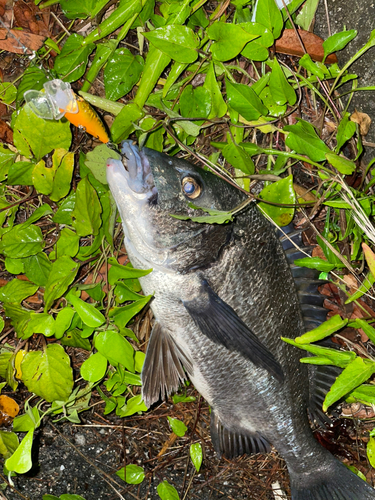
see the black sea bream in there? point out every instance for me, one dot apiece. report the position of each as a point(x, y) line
point(224, 295)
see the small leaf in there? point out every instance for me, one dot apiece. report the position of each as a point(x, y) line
point(195, 103)
point(196, 455)
point(357, 372)
point(87, 312)
point(8, 443)
point(20, 462)
point(178, 42)
point(94, 368)
point(133, 405)
point(345, 131)
point(37, 268)
point(121, 73)
point(167, 492)
point(115, 348)
point(329, 355)
point(131, 474)
point(219, 107)
point(62, 274)
point(243, 99)
point(303, 139)
point(316, 263)
point(338, 41)
point(178, 427)
point(269, 15)
point(238, 157)
point(87, 209)
point(324, 330)
point(342, 164)
point(279, 192)
point(71, 63)
point(282, 91)
point(364, 288)
point(229, 38)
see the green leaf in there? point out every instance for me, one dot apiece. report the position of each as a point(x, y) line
point(243, 99)
point(87, 209)
point(6, 160)
point(176, 41)
point(357, 372)
point(364, 288)
point(131, 474)
point(48, 374)
point(8, 92)
point(32, 133)
point(87, 312)
point(365, 394)
point(20, 462)
point(8, 443)
point(74, 338)
point(37, 268)
point(167, 492)
point(304, 140)
point(67, 244)
point(94, 368)
point(121, 73)
point(16, 291)
point(39, 323)
point(324, 330)
point(345, 131)
point(274, 109)
point(133, 405)
point(370, 450)
point(20, 173)
point(115, 348)
point(215, 217)
point(178, 427)
point(33, 78)
point(269, 15)
point(368, 329)
point(306, 14)
point(195, 103)
point(342, 164)
point(117, 271)
point(122, 315)
point(196, 455)
point(279, 192)
point(71, 64)
point(219, 107)
point(338, 41)
point(316, 263)
point(330, 356)
point(257, 50)
point(282, 91)
point(62, 274)
point(229, 38)
point(96, 161)
point(65, 210)
point(64, 165)
point(238, 157)
point(22, 241)
point(307, 63)
point(23, 423)
point(82, 9)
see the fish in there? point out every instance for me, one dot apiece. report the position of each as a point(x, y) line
point(224, 295)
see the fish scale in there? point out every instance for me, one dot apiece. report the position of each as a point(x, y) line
point(223, 297)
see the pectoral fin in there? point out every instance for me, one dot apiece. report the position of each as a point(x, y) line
point(220, 323)
point(163, 370)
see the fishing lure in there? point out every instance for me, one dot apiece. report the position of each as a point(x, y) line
point(58, 100)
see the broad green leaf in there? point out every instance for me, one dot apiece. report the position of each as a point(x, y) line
point(20, 462)
point(42, 177)
point(22, 241)
point(195, 103)
point(87, 209)
point(8, 443)
point(87, 312)
point(123, 124)
point(94, 368)
point(178, 427)
point(124, 293)
point(330, 356)
point(139, 359)
point(303, 139)
point(117, 271)
point(5, 363)
point(279, 192)
point(27, 421)
point(6, 160)
point(365, 393)
point(167, 492)
point(33, 134)
point(96, 161)
point(39, 323)
point(269, 15)
point(131, 474)
point(345, 131)
point(338, 41)
point(80, 10)
point(307, 63)
point(16, 291)
point(342, 164)
point(257, 50)
point(37, 268)
point(8, 92)
point(65, 210)
point(219, 107)
point(238, 157)
point(274, 109)
point(63, 321)
point(121, 73)
point(133, 405)
point(229, 39)
point(176, 41)
point(71, 64)
point(67, 244)
point(115, 348)
point(282, 91)
point(122, 315)
point(243, 99)
point(33, 78)
point(196, 455)
point(327, 328)
point(315, 263)
point(20, 173)
point(154, 138)
point(357, 372)
point(64, 165)
point(62, 274)
point(73, 338)
point(48, 374)
point(306, 14)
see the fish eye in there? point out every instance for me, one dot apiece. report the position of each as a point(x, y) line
point(191, 188)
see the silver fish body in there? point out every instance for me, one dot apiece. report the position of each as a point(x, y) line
point(224, 295)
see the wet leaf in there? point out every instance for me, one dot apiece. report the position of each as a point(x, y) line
point(279, 192)
point(342, 164)
point(22, 241)
point(176, 41)
point(62, 274)
point(327, 328)
point(229, 38)
point(94, 368)
point(243, 99)
point(8, 92)
point(274, 109)
point(282, 91)
point(257, 50)
point(269, 15)
point(87, 209)
point(178, 427)
point(133, 405)
point(37, 268)
point(121, 73)
point(16, 291)
point(87, 312)
point(96, 161)
point(196, 455)
point(303, 139)
point(357, 372)
point(8, 407)
point(338, 41)
point(8, 443)
point(131, 474)
point(219, 107)
point(195, 103)
point(48, 374)
point(20, 462)
point(71, 63)
point(63, 163)
point(167, 492)
point(115, 348)
point(238, 157)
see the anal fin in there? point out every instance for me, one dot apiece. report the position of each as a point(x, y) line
point(235, 443)
point(163, 369)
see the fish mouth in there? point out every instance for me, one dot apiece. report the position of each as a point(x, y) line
point(140, 178)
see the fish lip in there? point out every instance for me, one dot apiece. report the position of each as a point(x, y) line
point(140, 178)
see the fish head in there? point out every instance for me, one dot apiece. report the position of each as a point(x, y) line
point(149, 187)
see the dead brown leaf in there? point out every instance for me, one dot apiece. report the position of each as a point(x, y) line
point(29, 17)
point(17, 41)
point(363, 120)
point(289, 44)
point(8, 410)
point(6, 133)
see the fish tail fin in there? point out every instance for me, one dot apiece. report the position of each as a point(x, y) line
point(333, 481)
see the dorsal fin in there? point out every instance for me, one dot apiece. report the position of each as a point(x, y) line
point(321, 377)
